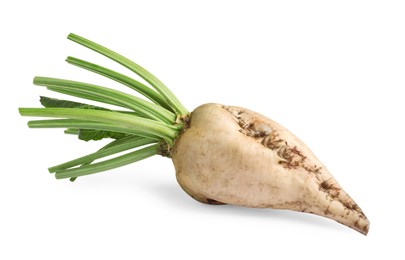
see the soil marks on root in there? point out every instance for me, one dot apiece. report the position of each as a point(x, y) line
point(291, 157)
point(251, 125)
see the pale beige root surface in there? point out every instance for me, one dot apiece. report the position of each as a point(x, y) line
point(235, 156)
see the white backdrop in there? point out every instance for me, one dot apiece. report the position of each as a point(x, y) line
point(330, 71)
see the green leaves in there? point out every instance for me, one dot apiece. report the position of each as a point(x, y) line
point(53, 102)
point(176, 105)
point(147, 127)
point(125, 80)
point(101, 120)
point(83, 134)
point(109, 96)
point(119, 161)
point(91, 134)
point(114, 147)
